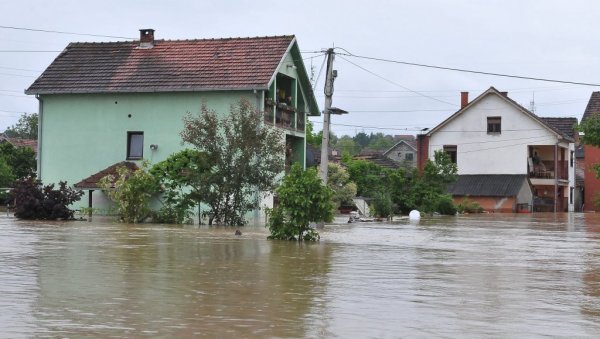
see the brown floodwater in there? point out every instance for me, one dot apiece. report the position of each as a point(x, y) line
point(476, 276)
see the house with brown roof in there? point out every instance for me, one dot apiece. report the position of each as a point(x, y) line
point(508, 158)
point(403, 152)
point(104, 103)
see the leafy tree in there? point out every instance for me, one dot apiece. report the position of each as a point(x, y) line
point(381, 142)
point(312, 138)
point(25, 128)
point(591, 130)
point(245, 157)
point(361, 139)
point(367, 176)
point(338, 180)
point(6, 174)
point(430, 190)
point(21, 160)
point(181, 177)
point(347, 145)
point(302, 199)
point(34, 201)
point(131, 191)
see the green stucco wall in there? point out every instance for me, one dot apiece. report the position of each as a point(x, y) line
point(85, 133)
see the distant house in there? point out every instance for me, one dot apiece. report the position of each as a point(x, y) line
point(404, 152)
point(104, 103)
point(18, 142)
point(591, 158)
point(508, 158)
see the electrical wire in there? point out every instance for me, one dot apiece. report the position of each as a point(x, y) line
point(397, 84)
point(472, 71)
point(61, 32)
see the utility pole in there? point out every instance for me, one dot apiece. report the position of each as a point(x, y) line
point(329, 77)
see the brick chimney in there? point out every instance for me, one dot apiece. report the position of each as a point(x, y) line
point(504, 94)
point(464, 99)
point(146, 38)
point(422, 151)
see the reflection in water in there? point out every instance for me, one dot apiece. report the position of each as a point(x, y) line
point(488, 275)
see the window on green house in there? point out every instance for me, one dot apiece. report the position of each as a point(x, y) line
point(135, 145)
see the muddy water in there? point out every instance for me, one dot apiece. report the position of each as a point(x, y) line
point(477, 276)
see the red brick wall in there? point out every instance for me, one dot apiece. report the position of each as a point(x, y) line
point(422, 151)
point(489, 203)
point(592, 184)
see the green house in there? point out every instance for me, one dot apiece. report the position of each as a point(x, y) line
point(101, 104)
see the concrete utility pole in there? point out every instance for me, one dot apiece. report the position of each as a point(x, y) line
point(329, 77)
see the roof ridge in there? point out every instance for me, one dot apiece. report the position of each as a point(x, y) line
point(291, 36)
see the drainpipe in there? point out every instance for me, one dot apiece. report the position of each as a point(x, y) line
point(39, 138)
point(556, 177)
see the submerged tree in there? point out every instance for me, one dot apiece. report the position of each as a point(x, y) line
point(302, 199)
point(245, 158)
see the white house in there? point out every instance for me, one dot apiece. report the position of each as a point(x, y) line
point(508, 158)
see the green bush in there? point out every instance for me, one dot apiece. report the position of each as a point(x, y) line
point(34, 201)
point(445, 205)
point(469, 206)
point(302, 199)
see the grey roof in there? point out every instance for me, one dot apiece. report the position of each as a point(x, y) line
point(488, 185)
point(565, 125)
point(593, 107)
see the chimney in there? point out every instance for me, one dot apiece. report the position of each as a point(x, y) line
point(146, 38)
point(464, 99)
point(504, 94)
point(422, 152)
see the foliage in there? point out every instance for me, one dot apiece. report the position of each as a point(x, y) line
point(367, 176)
point(181, 177)
point(445, 205)
point(596, 200)
point(338, 180)
point(312, 138)
point(34, 201)
point(468, 206)
point(591, 135)
point(25, 128)
point(20, 160)
point(131, 191)
point(6, 174)
point(347, 145)
point(245, 157)
point(302, 199)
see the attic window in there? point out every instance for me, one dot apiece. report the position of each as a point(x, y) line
point(494, 125)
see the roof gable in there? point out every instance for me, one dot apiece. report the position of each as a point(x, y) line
point(170, 65)
point(593, 107)
point(412, 145)
point(505, 98)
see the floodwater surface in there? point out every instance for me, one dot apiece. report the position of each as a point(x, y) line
point(478, 276)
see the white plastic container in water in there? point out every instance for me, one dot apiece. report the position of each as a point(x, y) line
point(414, 215)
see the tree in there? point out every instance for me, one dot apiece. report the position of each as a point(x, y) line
point(302, 199)
point(338, 180)
point(312, 138)
point(25, 128)
point(246, 157)
point(361, 139)
point(181, 178)
point(131, 191)
point(21, 160)
point(347, 145)
point(429, 192)
point(591, 135)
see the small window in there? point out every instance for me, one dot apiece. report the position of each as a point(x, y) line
point(135, 145)
point(572, 158)
point(494, 124)
point(451, 151)
point(408, 156)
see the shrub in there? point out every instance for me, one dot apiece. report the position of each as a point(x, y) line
point(131, 191)
point(302, 199)
point(445, 205)
point(469, 206)
point(34, 201)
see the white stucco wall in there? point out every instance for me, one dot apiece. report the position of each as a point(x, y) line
point(481, 153)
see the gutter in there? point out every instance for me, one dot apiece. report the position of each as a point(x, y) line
point(40, 129)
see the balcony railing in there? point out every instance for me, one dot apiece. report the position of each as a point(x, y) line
point(284, 116)
point(546, 170)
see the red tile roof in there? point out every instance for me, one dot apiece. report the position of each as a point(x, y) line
point(171, 65)
point(31, 143)
point(91, 182)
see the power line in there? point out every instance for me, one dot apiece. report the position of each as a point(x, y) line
point(24, 51)
point(394, 83)
point(19, 69)
point(18, 75)
point(472, 71)
point(61, 32)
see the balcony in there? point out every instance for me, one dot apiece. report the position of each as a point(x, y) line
point(546, 170)
point(284, 116)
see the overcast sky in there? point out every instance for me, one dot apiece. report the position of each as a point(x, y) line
point(543, 39)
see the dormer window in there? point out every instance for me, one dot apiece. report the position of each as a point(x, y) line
point(494, 125)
